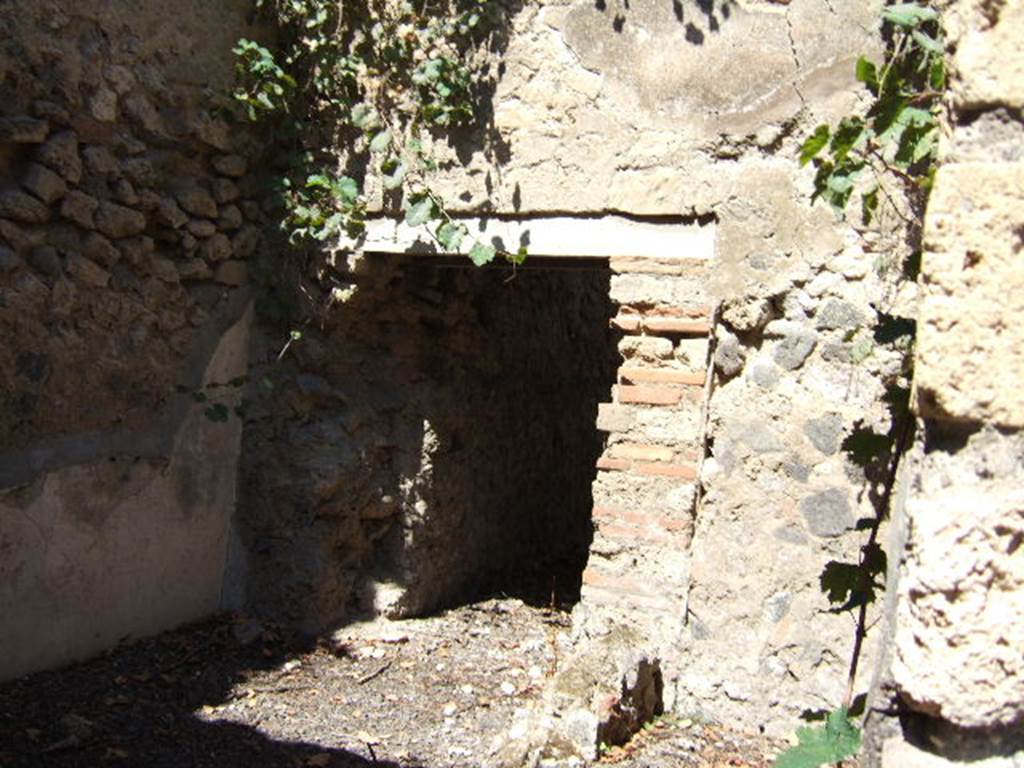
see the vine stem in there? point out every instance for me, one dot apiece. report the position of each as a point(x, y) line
point(899, 448)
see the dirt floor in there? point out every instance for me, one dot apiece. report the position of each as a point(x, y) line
point(426, 693)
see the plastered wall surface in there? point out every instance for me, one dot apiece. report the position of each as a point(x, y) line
point(121, 546)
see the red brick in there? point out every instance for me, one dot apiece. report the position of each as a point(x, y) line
point(641, 452)
point(606, 462)
point(595, 578)
point(676, 325)
point(626, 322)
point(622, 533)
point(662, 375)
point(685, 471)
point(649, 394)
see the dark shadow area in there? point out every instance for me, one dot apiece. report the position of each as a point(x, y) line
point(967, 745)
point(699, 17)
point(432, 442)
point(137, 707)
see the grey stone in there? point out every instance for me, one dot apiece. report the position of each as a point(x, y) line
point(825, 432)
point(796, 469)
point(162, 269)
point(44, 183)
point(23, 130)
point(202, 228)
point(232, 272)
point(50, 111)
point(197, 201)
point(170, 214)
point(836, 313)
point(98, 159)
point(827, 512)
point(60, 153)
point(16, 237)
point(194, 269)
point(246, 241)
point(135, 249)
point(98, 248)
point(9, 260)
point(777, 606)
point(790, 534)
point(230, 165)
point(119, 77)
point(103, 105)
point(86, 271)
point(216, 248)
point(756, 435)
point(21, 206)
point(794, 348)
point(225, 191)
point(117, 221)
point(729, 353)
point(230, 218)
point(80, 208)
point(124, 192)
point(141, 111)
point(44, 258)
point(213, 131)
point(764, 373)
point(140, 171)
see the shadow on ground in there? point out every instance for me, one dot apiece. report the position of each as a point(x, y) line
point(140, 704)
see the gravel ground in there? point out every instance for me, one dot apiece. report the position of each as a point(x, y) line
point(425, 693)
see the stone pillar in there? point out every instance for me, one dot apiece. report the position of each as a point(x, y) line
point(958, 656)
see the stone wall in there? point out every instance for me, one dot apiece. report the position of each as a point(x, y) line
point(955, 672)
point(125, 221)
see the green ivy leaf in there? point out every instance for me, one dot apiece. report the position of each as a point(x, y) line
point(867, 73)
point(347, 189)
point(419, 212)
point(868, 205)
point(394, 179)
point(364, 117)
point(380, 142)
point(909, 15)
point(836, 740)
point(814, 144)
point(848, 136)
point(481, 253)
point(450, 234)
point(928, 42)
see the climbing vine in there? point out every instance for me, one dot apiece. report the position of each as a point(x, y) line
point(887, 153)
point(897, 138)
point(357, 93)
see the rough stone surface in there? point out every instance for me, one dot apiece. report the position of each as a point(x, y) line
point(972, 284)
point(44, 183)
point(23, 130)
point(60, 153)
point(961, 614)
point(117, 221)
point(827, 513)
point(80, 208)
point(23, 207)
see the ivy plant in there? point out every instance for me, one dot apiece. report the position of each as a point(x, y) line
point(898, 135)
point(360, 90)
point(830, 743)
